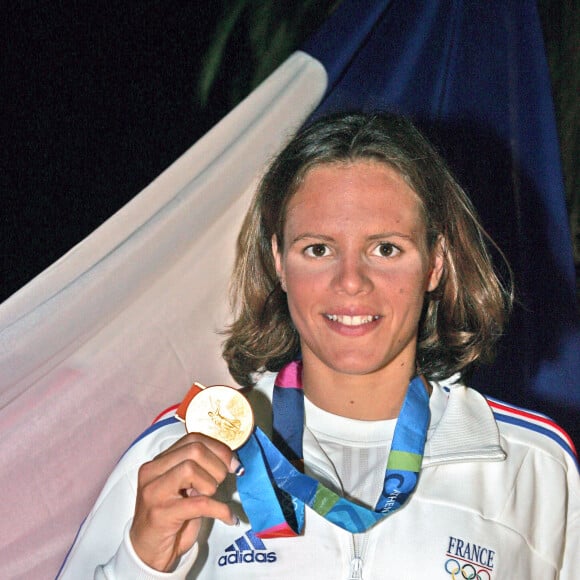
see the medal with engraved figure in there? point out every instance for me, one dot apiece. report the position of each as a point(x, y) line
point(220, 412)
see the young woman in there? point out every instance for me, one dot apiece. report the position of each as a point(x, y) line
point(363, 280)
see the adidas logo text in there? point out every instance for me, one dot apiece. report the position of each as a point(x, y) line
point(247, 549)
point(246, 558)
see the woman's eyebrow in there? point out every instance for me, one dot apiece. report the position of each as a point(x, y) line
point(385, 235)
point(312, 236)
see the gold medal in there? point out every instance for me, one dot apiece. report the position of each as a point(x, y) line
point(220, 412)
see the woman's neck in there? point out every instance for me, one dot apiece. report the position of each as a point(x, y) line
point(370, 397)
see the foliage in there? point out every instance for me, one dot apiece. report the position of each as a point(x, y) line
point(252, 38)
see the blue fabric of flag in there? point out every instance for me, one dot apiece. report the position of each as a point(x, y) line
point(474, 77)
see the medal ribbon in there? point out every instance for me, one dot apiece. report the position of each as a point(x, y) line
point(274, 492)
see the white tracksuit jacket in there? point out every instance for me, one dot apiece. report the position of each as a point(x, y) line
point(498, 498)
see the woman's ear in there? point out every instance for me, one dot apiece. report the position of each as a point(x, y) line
point(437, 264)
point(277, 255)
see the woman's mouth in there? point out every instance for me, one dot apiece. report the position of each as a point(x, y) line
point(352, 320)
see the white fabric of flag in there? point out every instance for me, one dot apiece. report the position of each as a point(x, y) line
point(117, 329)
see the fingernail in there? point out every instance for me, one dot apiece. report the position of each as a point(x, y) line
point(236, 467)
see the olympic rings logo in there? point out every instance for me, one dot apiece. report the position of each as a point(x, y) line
point(465, 571)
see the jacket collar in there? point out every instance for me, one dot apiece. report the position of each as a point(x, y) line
point(466, 431)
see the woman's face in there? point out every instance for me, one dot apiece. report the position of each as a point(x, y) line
point(356, 267)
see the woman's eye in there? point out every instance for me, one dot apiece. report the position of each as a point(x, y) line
point(316, 251)
point(386, 250)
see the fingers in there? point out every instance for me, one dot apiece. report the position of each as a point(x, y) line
point(175, 491)
point(192, 463)
point(217, 447)
point(200, 506)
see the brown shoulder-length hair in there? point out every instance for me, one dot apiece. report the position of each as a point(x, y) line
point(461, 319)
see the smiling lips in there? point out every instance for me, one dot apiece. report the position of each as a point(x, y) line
point(352, 320)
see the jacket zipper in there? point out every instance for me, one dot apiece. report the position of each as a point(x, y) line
point(359, 545)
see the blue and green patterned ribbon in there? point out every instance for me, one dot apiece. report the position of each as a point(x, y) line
point(274, 492)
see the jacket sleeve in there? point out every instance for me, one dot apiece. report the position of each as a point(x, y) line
point(102, 548)
point(126, 564)
point(569, 570)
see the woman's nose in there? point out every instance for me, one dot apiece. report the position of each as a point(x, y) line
point(352, 276)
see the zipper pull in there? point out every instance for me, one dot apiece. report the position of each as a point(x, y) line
point(356, 568)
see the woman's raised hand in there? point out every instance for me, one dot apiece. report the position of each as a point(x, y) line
point(175, 491)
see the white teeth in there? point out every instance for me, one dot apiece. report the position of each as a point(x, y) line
point(352, 320)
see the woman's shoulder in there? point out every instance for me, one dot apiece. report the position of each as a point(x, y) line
point(534, 431)
point(481, 427)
